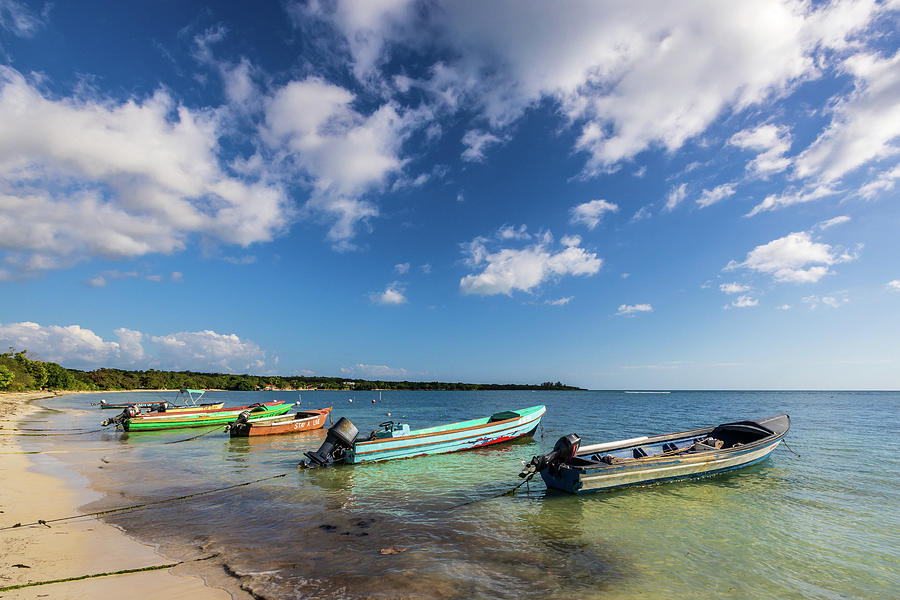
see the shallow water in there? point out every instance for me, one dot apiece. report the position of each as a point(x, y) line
point(824, 525)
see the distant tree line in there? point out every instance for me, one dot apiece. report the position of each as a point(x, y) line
point(19, 373)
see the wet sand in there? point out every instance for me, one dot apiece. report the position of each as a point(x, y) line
point(39, 553)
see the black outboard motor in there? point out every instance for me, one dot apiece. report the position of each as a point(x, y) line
point(339, 439)
point(131, 411)
point(565, 448)
point(242, 419)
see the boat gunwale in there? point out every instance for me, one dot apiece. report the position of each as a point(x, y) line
point(447, 431)
point(540, 414)
point(710, 455)
point(162, 416)
point(275, 420)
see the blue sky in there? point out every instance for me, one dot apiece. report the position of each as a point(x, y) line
point(661, 195)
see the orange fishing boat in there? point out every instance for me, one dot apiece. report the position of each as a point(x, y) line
point(293, 423)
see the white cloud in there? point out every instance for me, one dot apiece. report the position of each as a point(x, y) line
point(733, 288)
point(205, 350)
point(771, 141)
point(710, 197)
point(392, 294)
point(559, 301)
point(676, 195)
point(508, 232)
point(18, 19)
point(834, 300)
point(866, 125)
point(894, 285)
point(570, 240)
point(632, 309)
point(69, 345)
point(76, 347)
point(314, 127)
point(177, 276)
point(885, 181)
point(783, 307)
point(642, 214)
point(744, 302)
point(827, 224)
point(523, 269)
point(476, 142)
point(401, 268)
point(426, 268)
point(364, 371)
point(795, 258)
point(789, 198)
point(91, 176)
point(590, 213)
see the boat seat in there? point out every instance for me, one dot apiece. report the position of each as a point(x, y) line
point(504, 415)
point(639, 452)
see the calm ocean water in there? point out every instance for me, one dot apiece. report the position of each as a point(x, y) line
point(824, 525)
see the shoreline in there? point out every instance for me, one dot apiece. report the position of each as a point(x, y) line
point(40, 553)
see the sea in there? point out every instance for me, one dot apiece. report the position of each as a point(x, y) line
point(818, 520)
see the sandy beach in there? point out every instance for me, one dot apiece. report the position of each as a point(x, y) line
point(39, 553)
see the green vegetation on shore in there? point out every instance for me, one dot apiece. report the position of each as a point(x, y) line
point(19, 373)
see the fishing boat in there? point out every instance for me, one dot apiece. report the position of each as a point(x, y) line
point(132, 420)
point(189, 400)
point(396, 440)
point(574, 468)
point(289, 423)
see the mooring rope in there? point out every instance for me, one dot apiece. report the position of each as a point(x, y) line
point(46, 522)
point(510, 492)
point(216, 428)
point(9, 588)
point(789, 448)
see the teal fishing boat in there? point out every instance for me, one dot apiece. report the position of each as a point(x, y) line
point(396, 440)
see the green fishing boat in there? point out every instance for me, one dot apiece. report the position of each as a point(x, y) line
point(131, 420)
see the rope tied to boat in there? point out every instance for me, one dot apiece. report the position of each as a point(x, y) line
point(789, 448)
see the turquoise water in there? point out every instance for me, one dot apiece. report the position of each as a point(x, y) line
point(824, 525)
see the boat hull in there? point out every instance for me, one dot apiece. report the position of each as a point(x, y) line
point(577, 476)
point(465, 435)
point(159, 421)
point(277, 425)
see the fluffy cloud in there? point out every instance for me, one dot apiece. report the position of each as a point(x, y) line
point(392, 294)
point(401, 268)
point(559, 301)
point(18, 19)
point(829, 223)
point(629, 77)
point(795, 258)
point(630, 310)
point(885, 181)
point(771, 141)
point(894, 285)
point(733, 288)
point(314, 127)
point(710, 197)
point(866, 125)
point(834, 300)
point(789, 198)
point(744, 302)
point(591, 213)
point(476, 142)
point(76, 347)
point(198, 350)
point(523, 269)
point(90, 176)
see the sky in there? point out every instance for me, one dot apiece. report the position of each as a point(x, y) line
point(615, 195)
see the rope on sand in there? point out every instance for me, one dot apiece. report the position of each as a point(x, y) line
point(46, 522)
point(107, 574)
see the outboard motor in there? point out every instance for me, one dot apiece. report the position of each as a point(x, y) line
point(242, 419)
point(565, 448)
point(338, 440)
point(131, 411)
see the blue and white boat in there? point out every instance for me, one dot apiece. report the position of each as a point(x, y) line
point(574, 468)
point(396, 440)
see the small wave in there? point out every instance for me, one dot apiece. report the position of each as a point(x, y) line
point(648, 392)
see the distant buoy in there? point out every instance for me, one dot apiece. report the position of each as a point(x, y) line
point(349, 399)
point(373, 400)
point(389, 414)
